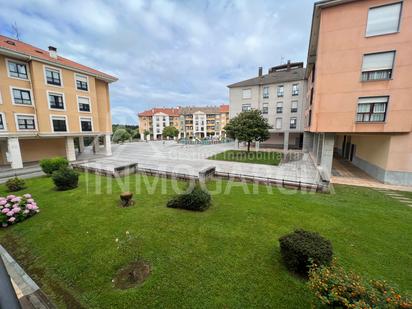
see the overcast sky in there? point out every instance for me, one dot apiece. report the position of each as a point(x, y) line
point(166, 53)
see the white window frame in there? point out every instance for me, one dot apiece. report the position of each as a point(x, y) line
point(80, 123)
point(265, 95)
point(25, 89)
point(250, 92)
point(247, 104)
point(283, 91)
point(276, 122)
point(75, 82)
point(380, 6)
point(296, 123)
point(3, 117)
point(78, 104)
point(1, 98)
point(21, 62)
point(55, 69)
point(375, 53)
point(48, 101)
point(59, 116)
point(291, 106)
point(16, 116)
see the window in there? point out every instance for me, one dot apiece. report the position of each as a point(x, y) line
point(384, 19)
point(21, 96)
point(17, 69)
point(86, 124)
point(59, 124)
point(56, 101)
point(378, 66)
point(246, 93)
point(294, 107)
point(279, 107)
point(372, 109)
point(293, 123)
point(280, 91)
point(265, 92)
point(2, 121)
point(81, 82)
point(295, 89)
point(25, 122)
point(53, 77)
point(265, 108)
point(84, 104)
point(246, 107)
point(278, 123)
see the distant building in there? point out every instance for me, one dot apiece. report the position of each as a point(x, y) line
point(48, 102)
point(191, 121)
point(280, 96)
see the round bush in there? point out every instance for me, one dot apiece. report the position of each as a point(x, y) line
point(53, 164)
point(15, 184)
point(65, 178)
point(301, 248)
point(197, 199)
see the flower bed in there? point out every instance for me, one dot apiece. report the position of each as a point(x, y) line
point(15, 209)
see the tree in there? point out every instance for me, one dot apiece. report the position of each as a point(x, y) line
point(121, 135)
point(170, 131)
point(248, 126)
point(146, 133)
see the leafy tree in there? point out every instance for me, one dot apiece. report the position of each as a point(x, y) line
point(248, 126)
point(121, 135)
point(146, 133)
point(170, 131)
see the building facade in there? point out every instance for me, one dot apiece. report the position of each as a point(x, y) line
point(46, 102)
point(359, 87)
point(280, 95)
point(192, 122)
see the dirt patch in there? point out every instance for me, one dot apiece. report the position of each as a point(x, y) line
point(132, 275)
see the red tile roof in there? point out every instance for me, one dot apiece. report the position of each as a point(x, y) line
point(224, 108)
point(167, 111)
point(24, 49)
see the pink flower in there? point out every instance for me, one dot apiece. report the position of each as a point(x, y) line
point(12, 219)
point(15, 205)
point(10, 197)
point(3, 202)
point(16, 210)
point(5, 210)
point(27, 195)
point(35, 207)
point(26, 211)
point(30, 200)
point(10, 213)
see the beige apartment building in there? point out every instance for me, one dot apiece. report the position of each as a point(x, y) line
point(192, 122)
point(359, 87)
point(47, 102)
point(280, 95)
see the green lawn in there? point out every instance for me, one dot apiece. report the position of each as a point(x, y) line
point(257, 157)
point(226, 257)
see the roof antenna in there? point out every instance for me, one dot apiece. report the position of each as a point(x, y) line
point(16, 31)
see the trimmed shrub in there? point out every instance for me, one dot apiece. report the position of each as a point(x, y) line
point(301, 248)
point(15, 209)
point(120, 136)
point(336, 288)
point(65, 178)
point(53, 164)
point(197, 199)
point(15, 184)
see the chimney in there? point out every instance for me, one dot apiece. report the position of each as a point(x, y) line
point(53, 52)
point(288, 66)
point(260, 71)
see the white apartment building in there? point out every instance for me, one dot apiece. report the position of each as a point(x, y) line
point(280, 96)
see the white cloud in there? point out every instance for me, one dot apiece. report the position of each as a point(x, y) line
point(166, 53)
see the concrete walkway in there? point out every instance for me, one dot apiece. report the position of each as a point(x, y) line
point(190, 159)
point(397, 196)
point(347, 174)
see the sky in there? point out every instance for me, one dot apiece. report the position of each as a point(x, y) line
point(166, 53)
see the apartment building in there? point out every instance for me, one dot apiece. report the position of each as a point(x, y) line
point(192, 122)
point(359, 87)
point(280, 95)
point(46, 102)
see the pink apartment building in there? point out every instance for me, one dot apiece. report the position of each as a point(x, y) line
point(359, 97)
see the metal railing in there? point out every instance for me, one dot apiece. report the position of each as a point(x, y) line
point(8, 297)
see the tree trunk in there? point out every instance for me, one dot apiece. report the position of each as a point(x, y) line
point(248, 146)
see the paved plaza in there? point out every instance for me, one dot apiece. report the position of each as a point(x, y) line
point(190, 159)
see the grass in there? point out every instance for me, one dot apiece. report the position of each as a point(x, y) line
point(257, 157)
point(227, 256)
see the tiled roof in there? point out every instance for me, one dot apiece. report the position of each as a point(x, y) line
point(204, 109)
point(167, 111)
point(224, 108)
point(273, 78)
point(24, 49)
